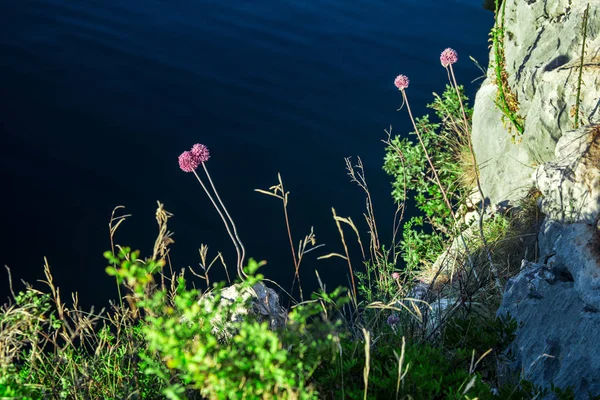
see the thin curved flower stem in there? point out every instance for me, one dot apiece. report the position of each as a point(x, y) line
point(243, 251)
point(439, 183)
point(493, 268)
point(224, 221)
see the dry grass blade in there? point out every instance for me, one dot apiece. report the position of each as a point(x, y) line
point(113, 225)
point(163, 240)
point(359, 178)
point(269, 193)
point(115, 221)
point(203, 250)
point(367, 368)
point(279, 192)
point(400, 365)
point(349, 222)
point(474, 366)
point(416, 314)
point(337, 223)
point(332, 255)
point(12, 292)
point(470, 384)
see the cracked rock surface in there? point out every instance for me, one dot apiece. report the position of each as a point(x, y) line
point(557, 306)
point(542, 41)
point(556, 299)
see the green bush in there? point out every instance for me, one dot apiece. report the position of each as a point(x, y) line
point(253, 362)
point(425, 236)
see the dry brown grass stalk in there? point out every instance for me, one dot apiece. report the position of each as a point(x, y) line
point(279, 192)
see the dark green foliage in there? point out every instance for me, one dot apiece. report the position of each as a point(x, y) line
point(480, 334)
point(431, 373)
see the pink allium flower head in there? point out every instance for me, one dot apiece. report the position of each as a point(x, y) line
point(187, 162)
point(200, 153)
point(401, 82)
point(448, 57)
point(396, 276)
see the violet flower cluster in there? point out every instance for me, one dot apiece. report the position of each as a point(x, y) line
point(401, 82)
point(448, 57)
point(191, 159)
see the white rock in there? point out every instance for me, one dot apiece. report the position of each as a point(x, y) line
point(571, 184)
point(543, 48)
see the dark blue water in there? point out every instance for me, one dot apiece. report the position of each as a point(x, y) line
point(100, 97)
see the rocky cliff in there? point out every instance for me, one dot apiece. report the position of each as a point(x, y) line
point(556, 297)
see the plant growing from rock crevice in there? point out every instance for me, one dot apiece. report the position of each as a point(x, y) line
point(584, 22)
point(506, 100)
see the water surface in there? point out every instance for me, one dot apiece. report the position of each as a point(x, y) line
point(100, 97)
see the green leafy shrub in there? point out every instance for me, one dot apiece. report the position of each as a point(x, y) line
point(425, 235)
point(254, 362)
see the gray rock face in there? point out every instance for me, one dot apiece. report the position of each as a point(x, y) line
point(505, 168)
point(571, 183)
point(542, 41)
point(558, 340)
point(558, 305)
point(556, 301)
point(573, 250)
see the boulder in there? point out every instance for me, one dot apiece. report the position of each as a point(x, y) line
point(557, 306)
point(571, 183)
point(505, 168)
point(543, 52)
point(260, 302)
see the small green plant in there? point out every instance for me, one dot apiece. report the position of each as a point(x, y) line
point(483, 335)
point(20, 328)
point(506, 101)
point(51, 351)
point(579, 82)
